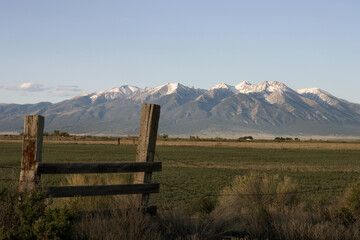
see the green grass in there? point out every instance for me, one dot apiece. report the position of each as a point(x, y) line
point(190, 173)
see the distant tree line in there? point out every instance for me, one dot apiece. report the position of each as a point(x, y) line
point(246, 138)
point(280, 139)
point(163, 136)
point(57, 133)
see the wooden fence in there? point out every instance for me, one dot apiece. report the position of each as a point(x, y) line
point(32, 166)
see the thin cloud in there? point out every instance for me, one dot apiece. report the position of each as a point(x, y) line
point(67, 90)
point(71, 88)
point(28, 87)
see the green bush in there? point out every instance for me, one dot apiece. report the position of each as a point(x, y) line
point(32, 219)
point(8, 220)
point(203, 206)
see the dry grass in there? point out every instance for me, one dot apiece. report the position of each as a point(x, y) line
point(97, 202)
point(130, 224)
point(133, 224)
point(257, 192)
point(253, 207)
point(261, 210)
point(300, 222)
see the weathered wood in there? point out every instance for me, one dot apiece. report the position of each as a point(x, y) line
point(79, 168)
point(31, 152)
point(101, 190)
point(146, 145)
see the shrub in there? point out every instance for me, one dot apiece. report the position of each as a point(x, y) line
point(9, 221)
point(31, 219)
point(262, 209)
point(258, 192)
point(203, 206)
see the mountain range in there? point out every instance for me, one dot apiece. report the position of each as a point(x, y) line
point(267, 109)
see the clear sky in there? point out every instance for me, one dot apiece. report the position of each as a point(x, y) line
point(54, 50)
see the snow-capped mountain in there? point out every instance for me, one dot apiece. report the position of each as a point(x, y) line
point(318, 95)
point(225, 86)
point(119, 92)
point(223, 110)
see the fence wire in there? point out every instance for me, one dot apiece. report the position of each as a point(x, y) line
point(7, 167)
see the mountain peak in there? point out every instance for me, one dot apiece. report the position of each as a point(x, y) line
point(316, 94)
point(267, 86)
point(224, 86)
point(117, 92)
point(312, 90)
point(168, 88)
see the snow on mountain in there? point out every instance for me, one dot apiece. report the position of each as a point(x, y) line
point(166, 89)
point(225, 86)
point(318, 95)
point(270, 91)
point(266, 87)
point(171, 88)
point(114, 93)
point(145, 94)
point(243, 87)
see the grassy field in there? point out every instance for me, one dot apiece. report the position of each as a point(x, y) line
point(192, 173)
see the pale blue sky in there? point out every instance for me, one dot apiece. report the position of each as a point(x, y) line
point(53, 50)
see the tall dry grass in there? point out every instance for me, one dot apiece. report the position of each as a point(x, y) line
point(261, 209)
point(128, 224)
point(257, 192)
point(97, 202)
point(255, 206)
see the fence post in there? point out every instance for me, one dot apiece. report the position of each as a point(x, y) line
point(145, 152)
point(31, 152)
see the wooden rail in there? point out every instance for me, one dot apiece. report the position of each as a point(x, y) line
point(101, 190)
point(80, 168)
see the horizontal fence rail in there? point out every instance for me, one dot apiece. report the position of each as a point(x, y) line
point(80, 168)
point(101, 190)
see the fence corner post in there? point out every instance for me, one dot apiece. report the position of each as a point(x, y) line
point(31, 153)
point(145, 152)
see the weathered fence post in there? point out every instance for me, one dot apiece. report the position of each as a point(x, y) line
point(150, 115)
point(31, 153)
